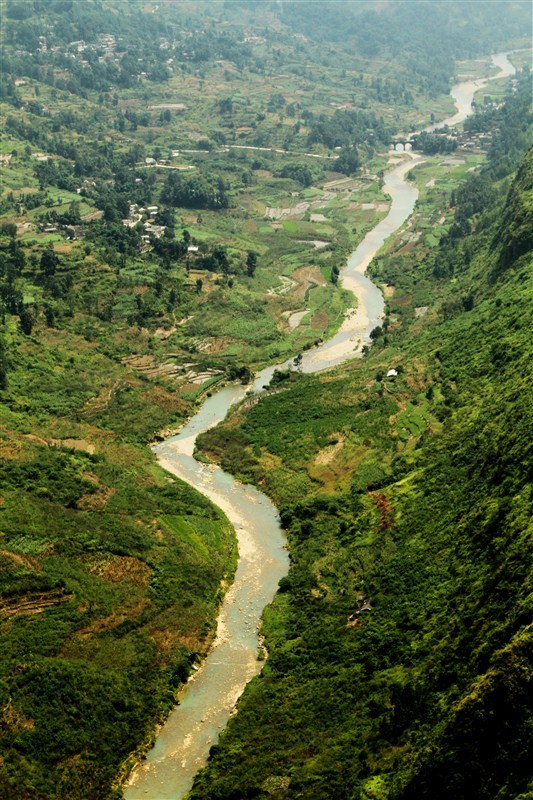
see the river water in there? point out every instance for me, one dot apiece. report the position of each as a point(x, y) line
point(183, 743)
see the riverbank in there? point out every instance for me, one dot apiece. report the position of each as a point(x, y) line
point(192, 728)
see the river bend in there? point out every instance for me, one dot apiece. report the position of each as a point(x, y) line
point(183, 743)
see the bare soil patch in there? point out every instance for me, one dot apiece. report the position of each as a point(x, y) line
point(327, 454)
point(306, 277)
point(33, 603)
point(386, 511)
point(116, 569)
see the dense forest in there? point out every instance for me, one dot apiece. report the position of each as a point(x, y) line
point(180, 181)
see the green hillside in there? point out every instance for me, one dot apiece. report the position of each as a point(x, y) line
point(181, 184)
point(400, 645)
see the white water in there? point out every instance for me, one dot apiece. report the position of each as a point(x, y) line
point(183, 743)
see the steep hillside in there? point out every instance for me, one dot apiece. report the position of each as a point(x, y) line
point(401, 642)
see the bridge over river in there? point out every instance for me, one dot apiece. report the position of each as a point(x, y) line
point(407, 144)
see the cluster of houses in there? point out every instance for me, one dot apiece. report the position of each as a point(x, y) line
point(250, 38)
point(136, 216)
point(72, 232)
point(106, 44)
point(474, 141)
point(466, 140)
point(167, 162)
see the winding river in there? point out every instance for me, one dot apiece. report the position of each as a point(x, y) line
point(209, 698)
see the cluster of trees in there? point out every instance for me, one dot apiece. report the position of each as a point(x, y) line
point(349, 161)
point(55, 173)
point(513, 128)
point(514, 237)
point(71, 216)
point(431, 144)
point(390, 90)
point(39, 133)
point(14, 264)
point(301, 173)
point(348, 129)
point(8, 91)
point(209, 45)
point(218, 260)
point(195, 192)
point(104, 159)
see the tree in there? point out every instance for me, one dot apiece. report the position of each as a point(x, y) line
point(226, 105)
point(348, 162)
point(298, 172)
point(110, 214)
point(49, 262)
point(218, 261)
point(194, 192)
point(26, 320)
point(251, 263)
point(16, 260)
point(8, 229)
point(3, 364)
point(49, 316)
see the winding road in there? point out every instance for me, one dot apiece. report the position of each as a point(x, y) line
point(209, 698)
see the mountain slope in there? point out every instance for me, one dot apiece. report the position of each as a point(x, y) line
point(401, 642)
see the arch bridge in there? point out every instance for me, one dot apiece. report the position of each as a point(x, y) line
point(406, 144)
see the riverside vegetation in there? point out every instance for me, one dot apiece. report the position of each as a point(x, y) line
point(400, 649)
point(147, 254)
